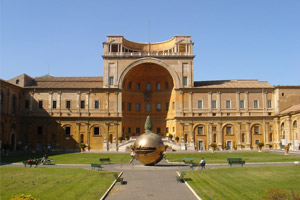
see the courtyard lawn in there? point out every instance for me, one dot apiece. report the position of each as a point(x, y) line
point(70, 158)
point(243, 182)
point(49, 183)
point(218, 157)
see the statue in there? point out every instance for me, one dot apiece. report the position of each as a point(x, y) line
point(149, 147)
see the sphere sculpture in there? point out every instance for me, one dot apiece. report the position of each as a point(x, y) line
point(149, 147)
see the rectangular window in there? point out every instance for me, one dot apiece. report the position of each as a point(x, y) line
point(40, 130)
point(138, 107)
point(26, 104)
point(167, 106)
point(213, 104)
point(129, 85)
point(158, 107)
point(215, 138)
point(228, 104)
point(256, 129)
point(214, 128)
point(158, 130)
point(157, 86)
point(148, 107)
point(129, 130)
point(167, 129)
point(200, 104)
point(129, 106)
point(242, 104)
point(53, 104)
point(138, 86)
point(68, 130)
point(96, 131)
point(167, 85)
point(255, 104)
point(184, 81)
point(228, 130)
point(68, 104)
point(82, 104)
point(200, 130)
point(111, 80)
point(40, 104)
point(96, 104)
point(137, 130)
point(256, 141)
point(269, 102)
point(148, 86)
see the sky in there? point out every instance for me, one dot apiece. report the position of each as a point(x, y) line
point(233, 39)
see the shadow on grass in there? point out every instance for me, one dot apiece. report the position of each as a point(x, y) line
point(19, 157)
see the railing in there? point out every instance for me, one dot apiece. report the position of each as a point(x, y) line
point(148, 54)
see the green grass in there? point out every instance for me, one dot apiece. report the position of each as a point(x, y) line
point(249, 157)
point(50, 183)
point(70, 158)
point(243, 182)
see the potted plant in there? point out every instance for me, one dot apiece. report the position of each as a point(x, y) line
point(170, 136)
point(82, 146)
point(286, 149)
point(127, 137)
point(177, 139)
point(213, 147)
point(260, 146)
point(120, 139)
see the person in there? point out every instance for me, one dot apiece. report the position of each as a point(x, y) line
point(202, 163)
point(49, 148)
point(132, 156)
point(44, 159)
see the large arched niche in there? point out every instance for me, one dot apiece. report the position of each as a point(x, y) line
point(147, 89)
point(173, 74)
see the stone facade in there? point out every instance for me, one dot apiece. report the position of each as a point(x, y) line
point(142, 79)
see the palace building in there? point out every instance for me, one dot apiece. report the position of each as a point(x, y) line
point(141, 79)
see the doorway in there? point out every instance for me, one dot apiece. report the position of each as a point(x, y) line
point(200, 145)
point(228, 145)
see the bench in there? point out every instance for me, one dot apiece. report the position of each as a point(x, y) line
point(232, 161)
point(118, 178)
point(180, 177)
point(25, 163)
point(202, 165)
point(188, 160)
point(96, 165)
point(48, 161)
point(102, 160)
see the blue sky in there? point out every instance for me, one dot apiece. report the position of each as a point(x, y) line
point(234, 39)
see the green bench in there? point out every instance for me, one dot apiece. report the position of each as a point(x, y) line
point(188, 160)
point(103, 160)
point(96, 165)
point(118, 178)
point(232, 161)
point(26, 162)
point(202, 165)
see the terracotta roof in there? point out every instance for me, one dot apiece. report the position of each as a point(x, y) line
point(67, 82)
point(294, 108)
point(233, 84)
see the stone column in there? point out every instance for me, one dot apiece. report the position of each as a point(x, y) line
point(107, 103)
point(50, 100)
point(59, 102)
point(78, 101)
point(78, 133)
point(117, 135)
point(246, 101)
point(192, 143)
point(276, 134)
point(116, 104)
point(237, 101)
point(106, 139)
point(209, 101)
point(182, 102)
point(219, 102)
point(30, 100)
point(87, 135)
point(248, 135)
point(238, 135)
point(191, 102)
point(220, 136)
point(209, 137)
point(87, 97)
point(266, 132)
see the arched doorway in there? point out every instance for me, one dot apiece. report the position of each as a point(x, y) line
point(147, 90)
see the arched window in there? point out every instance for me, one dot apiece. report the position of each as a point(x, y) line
point(243, 137)
point(67, 130)
point(200, 130)
point(295, 124)
point(282, 126)
point(13, 105)
point(158, 86)
point(229, 130)
point(2, 100)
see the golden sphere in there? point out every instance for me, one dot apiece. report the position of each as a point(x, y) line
point(149, 148)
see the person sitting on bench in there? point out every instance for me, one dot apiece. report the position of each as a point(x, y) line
point(202, 163)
